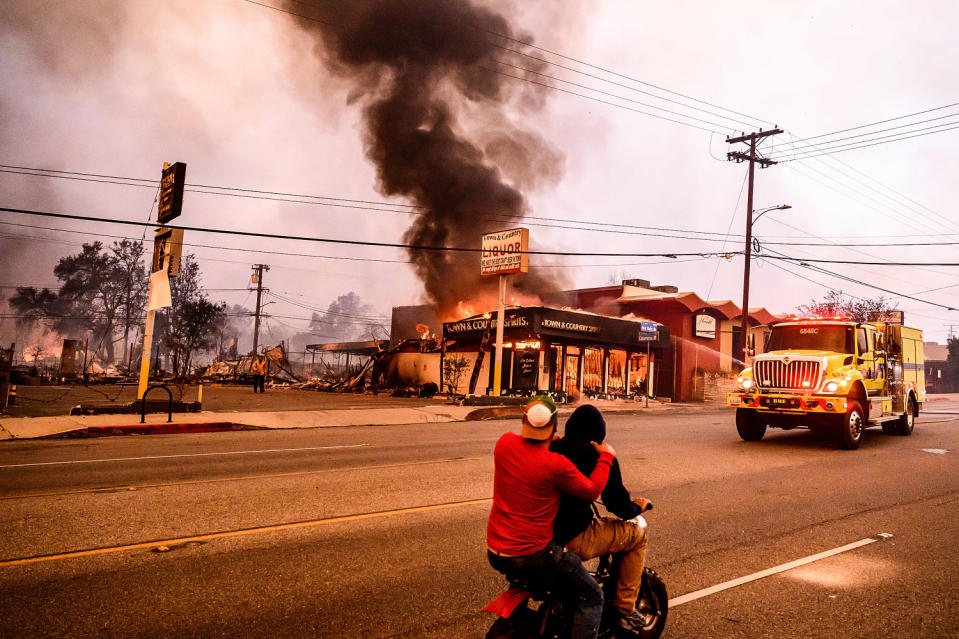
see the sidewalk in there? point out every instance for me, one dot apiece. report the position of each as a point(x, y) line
point(208, 421)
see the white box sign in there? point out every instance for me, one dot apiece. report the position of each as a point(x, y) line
point(505, 252)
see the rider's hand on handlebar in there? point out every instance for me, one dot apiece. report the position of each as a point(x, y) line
point(644, 504)
point(604, 448)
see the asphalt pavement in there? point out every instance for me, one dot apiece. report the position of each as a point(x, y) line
point(237, 408)
point(379, 532)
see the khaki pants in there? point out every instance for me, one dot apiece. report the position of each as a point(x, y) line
point(629, 541)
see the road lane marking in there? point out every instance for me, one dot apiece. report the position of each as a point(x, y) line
point(241, 533)
point(726, 585)
point(132, 487)
point(935, 451)
point(234, 452)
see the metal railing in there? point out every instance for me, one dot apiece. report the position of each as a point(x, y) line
point(143, 403)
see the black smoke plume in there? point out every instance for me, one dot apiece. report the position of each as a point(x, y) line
point(420, 67)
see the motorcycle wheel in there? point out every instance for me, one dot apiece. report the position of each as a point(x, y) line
point(652, 604)
point(502, 629)
point(518, 626)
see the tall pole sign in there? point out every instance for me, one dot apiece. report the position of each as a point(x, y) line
point(504, 252)
point(167, 247)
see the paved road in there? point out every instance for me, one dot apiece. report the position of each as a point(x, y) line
point(379, 531)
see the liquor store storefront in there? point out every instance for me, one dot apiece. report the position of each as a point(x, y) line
point(567, 353)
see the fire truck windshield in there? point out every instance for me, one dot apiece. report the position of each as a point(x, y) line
point(812, 337)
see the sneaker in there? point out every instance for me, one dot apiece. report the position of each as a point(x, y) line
point(633, 623)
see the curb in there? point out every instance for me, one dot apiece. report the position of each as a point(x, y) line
point(152, 429)
point(494, 412)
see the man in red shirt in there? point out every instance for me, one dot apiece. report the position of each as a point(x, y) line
point(527, 485)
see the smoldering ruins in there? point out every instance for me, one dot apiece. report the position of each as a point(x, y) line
point(437, 106)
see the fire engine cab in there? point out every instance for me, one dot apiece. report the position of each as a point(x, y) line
point(832, 374)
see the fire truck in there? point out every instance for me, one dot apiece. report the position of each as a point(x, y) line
point(832, 374)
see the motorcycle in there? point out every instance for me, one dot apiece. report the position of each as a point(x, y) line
point(527, 612)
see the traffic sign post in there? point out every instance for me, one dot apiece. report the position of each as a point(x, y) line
point(167, 248)
point(171, 191)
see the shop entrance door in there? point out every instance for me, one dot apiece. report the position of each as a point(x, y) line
point(572, 374)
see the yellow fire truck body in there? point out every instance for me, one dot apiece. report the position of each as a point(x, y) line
point(833, 374)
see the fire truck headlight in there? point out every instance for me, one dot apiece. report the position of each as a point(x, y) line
point(831, 387)
point(746, 382)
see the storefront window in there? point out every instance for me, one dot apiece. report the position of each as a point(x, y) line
point(617, 372)
point(637, 373)
point(593, 371)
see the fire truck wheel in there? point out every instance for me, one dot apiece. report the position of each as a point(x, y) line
point(851, 428)
point(749, 426)
point(908, 420)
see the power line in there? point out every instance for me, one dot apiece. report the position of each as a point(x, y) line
point(822, 145)
point(927, 270)
point(289, 254)
point(879, 288)
point(732, 218)
point(862, 144)
point(194, 245)
point(328, 23)
point(300, 238)
point(243, 193)
point(612, 95)
point(616, 74)
point(864, 126)
point(822, 261)
point(895, 208)
point(885, 211)
point(861, 283)
point(601, 101)
point(327, 312)
point(882, 185)
point(832, 288)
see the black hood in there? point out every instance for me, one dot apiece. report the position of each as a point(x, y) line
point(586, 424)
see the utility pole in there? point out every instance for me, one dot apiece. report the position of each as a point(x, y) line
point(258, 280)
point(951, 331)
point(752, 158)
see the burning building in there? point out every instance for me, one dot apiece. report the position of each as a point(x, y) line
point(563, 352)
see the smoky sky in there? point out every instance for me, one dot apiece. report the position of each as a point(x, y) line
point(419, 68)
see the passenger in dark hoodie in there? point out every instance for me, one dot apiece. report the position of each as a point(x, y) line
point(577, 529)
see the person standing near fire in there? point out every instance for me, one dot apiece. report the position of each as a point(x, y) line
point(259, 368)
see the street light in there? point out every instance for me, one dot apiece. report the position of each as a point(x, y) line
point(749, 244)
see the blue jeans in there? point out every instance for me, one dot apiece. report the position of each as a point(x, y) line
point(564, 574)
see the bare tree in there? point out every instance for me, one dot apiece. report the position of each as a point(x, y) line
point(835, 304)
point(102, 291)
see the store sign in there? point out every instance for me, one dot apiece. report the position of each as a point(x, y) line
point(559, 325)
point(505, 252)
point(485, 324)
point(705, 326)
